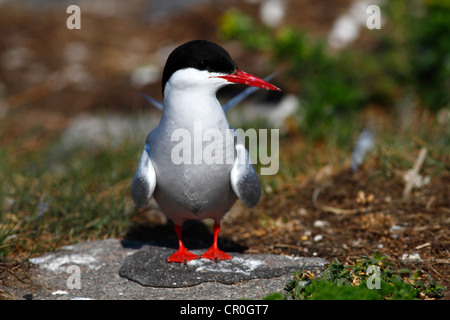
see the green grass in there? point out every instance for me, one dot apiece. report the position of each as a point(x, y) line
point(49, 201)
point(5, 243)
point(355, 281)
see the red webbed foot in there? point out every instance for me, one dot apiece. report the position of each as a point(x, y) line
point(214, 253)
point(182, 255)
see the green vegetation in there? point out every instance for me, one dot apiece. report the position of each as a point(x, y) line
point(48, 201)
point(409, 62)
point(357, 280)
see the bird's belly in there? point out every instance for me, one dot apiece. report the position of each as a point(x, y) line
point(189, 183)
point(194, 191)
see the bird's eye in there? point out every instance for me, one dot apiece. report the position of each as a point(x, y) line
point(201, 65)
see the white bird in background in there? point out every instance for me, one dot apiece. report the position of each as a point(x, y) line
point(193, 74)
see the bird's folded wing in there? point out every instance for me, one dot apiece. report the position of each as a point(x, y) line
point(144, 181)
point(157, 104)
point(244, 180)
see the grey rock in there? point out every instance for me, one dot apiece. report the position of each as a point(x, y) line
point(104, 268)
point(149, 267)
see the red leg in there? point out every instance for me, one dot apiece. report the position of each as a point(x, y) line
point(182, 255)
point(214, 253)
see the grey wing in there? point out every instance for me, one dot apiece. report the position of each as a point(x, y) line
point(144, 181)
point(244, 180)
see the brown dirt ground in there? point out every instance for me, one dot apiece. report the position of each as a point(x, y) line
point(285, 220)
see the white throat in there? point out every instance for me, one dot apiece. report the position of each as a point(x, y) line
point(190, 95)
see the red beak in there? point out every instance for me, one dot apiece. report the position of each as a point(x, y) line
point(249, 80)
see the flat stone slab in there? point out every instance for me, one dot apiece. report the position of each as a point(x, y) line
point(149, 267)
point(102, 269)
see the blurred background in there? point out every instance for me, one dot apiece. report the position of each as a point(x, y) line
point(358, 108)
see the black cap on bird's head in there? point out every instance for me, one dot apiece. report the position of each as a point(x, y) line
point(206, 55)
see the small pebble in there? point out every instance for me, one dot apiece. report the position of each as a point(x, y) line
point(318, 238)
